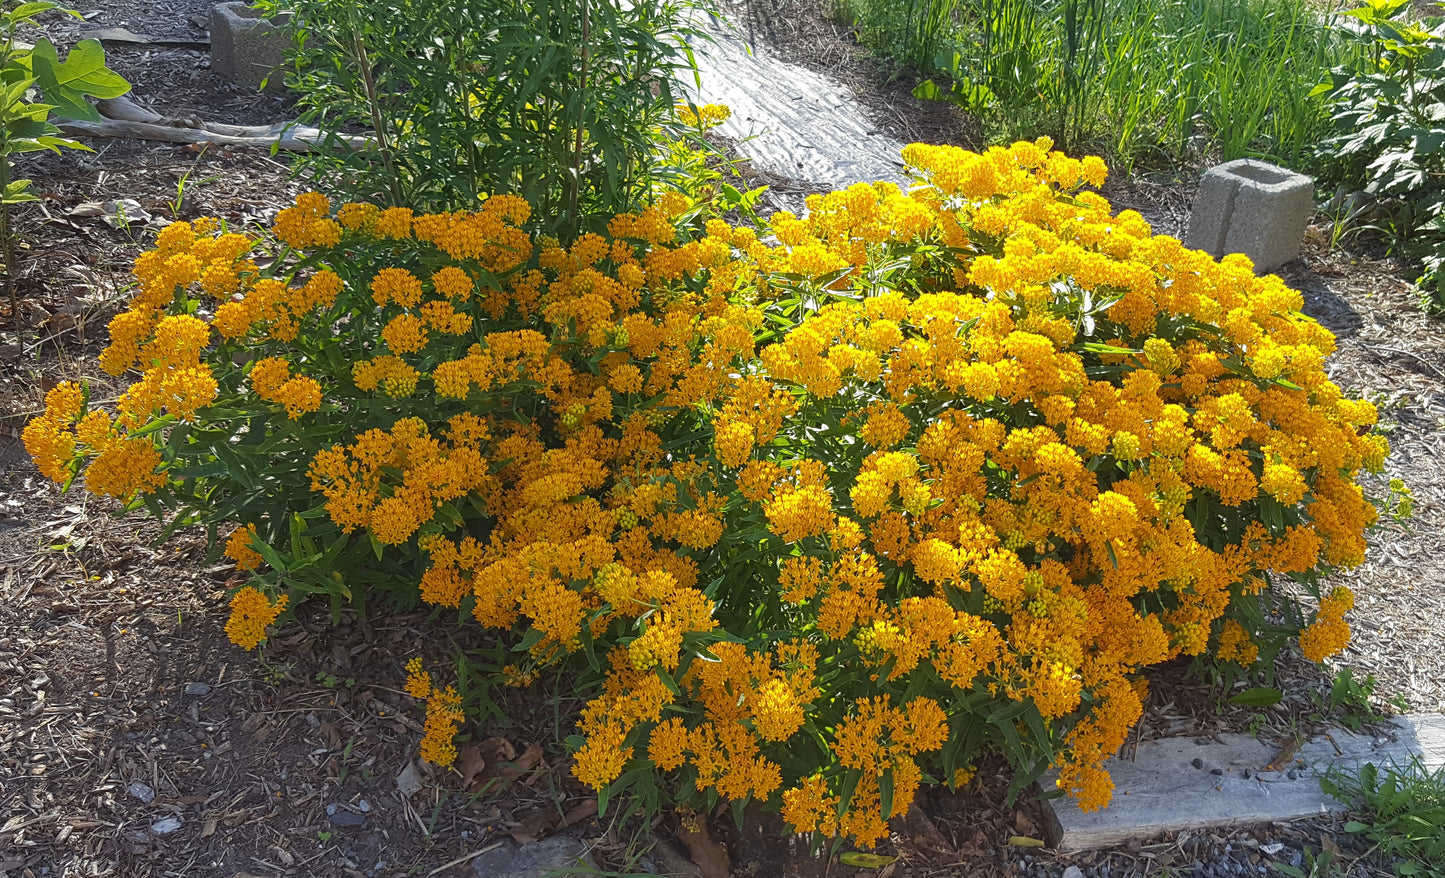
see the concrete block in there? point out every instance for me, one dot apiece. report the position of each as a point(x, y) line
point(1174, 784)
point(1251, 207)
point(246, 48)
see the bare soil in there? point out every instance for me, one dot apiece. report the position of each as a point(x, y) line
point(136, 741)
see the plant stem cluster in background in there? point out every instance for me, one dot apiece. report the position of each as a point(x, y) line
point(559, 102)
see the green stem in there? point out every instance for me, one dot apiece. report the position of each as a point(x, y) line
point(7, 243)
point(376, 124)
point(7, 247)
point(576, 183)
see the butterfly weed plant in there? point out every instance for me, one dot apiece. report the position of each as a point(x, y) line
point(556, 101)
point(813, 510)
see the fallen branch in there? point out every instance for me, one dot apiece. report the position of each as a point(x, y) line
point(122, 117)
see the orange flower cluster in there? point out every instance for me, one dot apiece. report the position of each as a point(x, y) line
point(251, 613)
point(877, 741)
point(361, 490)
point(1235, 644)
point(443, 714)
point(60, 440)
point(805, 489)
point(1330, 633)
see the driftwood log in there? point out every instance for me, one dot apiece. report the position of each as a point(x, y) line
point(122, 117)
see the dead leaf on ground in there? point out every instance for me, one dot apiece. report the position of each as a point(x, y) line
point(115, 213)
point(330, 735)
point(495, 759)
point(535, 825)
point(495, 750)
point(917, 827)
point(1284, 756)
point(1024, 824)
point(514, 768)
point(577, 813)
point(1329, 844)
point(470, 764)
point(711, 857)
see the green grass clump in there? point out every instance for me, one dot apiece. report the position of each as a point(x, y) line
point(1126, 77)
point(1400, 813)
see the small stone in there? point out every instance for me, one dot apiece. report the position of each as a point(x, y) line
point(1296, 858)
point(332, 809)
point(495, 861)
point(141, 791)
point(166, 825)
point(553, 857)
point(671, 861)
point(1292, 774)
point(346, 818)
point(409, 781)
point(1217, 772)
point(1073, 872)
point(1197, 762)
point(199, 690)
point(363, 806)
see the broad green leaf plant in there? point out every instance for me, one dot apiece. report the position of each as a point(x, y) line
point(1388, 112)
point(26, 74)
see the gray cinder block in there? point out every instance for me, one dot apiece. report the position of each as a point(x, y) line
point(1251, 207)
point(246, 48)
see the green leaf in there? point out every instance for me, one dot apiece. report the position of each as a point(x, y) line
point(16, 192)
point(859, 860)
point(885, 793)
point(1023, 841)
point(1355, 826)
point(28, 10)
point(928, 90)
point(1101, 348)
point(1261, 696)
point(15, 92)
point(83, 73)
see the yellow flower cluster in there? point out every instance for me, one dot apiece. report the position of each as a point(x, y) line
point(251, 613)
point(391, 481)
point(876, 740)
point(822, 479)
point(309, 222)
point(62, 438)
point(1235, 645)
point(704, 117)
point(272, 380)
point(240, 547)
point(1330, 633)
point(443, 715)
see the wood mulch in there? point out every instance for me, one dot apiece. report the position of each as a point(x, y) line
point(136, 741)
